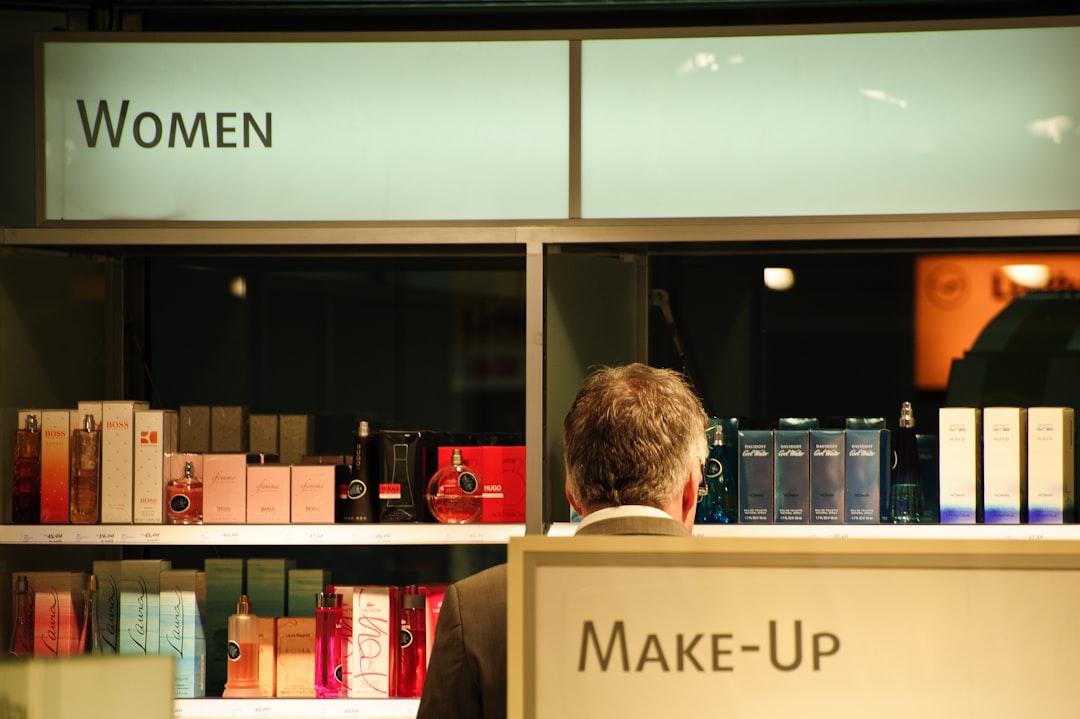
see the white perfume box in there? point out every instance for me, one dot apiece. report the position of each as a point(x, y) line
point(140, 588)
point(1051, 448)
point(960, 462)
point(269, 493)
point(1004, 449)
point(118, 460)
point(55, 461)
point(371, 668)
point(180, 631)
point(314, 488)
point(826, 476)
point(224, 488)
point(155, 445)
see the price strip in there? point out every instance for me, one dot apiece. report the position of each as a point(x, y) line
point(54, 537)
point(230, 536)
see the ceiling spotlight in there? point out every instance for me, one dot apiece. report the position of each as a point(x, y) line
point(779, 278)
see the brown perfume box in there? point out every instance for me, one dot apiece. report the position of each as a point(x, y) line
point(296, 437)
point(194, 429)
point(263, 433)
point(228, 429)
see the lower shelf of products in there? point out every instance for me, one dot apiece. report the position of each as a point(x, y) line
point(874, 531)
point(296, 708)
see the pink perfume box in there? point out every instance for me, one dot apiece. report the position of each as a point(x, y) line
point(55, 434)
point(269, 494)
point(313, 491)
point(58, 611)
point(155, 444)
point(118, 460)
point(224, 488)
point(373, 618)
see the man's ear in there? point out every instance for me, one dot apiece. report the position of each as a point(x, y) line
point(570, 499)
point(689, 500)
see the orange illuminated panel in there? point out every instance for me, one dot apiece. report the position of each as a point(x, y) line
point(957, 295)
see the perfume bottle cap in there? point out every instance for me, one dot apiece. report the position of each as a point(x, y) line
point(243, 606)
point(88, 423)
point(327, 600)
point(455, 458)
point(364, 429)
point(189, 470)
point(907, 415)
point(91, 583)
point(22, 584)
point(414, 601)
point(31, 422)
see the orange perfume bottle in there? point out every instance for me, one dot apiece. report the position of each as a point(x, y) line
point(243, 653)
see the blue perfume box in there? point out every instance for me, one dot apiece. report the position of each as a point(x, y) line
point(181, 630)
point(865, 465)
point(755, 476)
point(140, 587)
point(791, 481)
point(826, 476)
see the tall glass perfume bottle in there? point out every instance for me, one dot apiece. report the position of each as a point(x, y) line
point(26, 484)
point(184, 498)
point(243, 653)
point(329, 682)
point(718, 497)
point(454, 492)
point(412, 662)
point(22, 628)
point(905, 492)
point(84, 496)
point(356, 504)
point(90, 639)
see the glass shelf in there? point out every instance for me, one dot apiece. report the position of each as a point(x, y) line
point(875, 531)
point(290, 708)
point(268, 534)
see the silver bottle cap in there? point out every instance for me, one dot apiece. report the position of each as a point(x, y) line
point(88, 423)
point(907, 416)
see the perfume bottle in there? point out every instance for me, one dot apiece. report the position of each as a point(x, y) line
point(243, 653)
point(22, 629)
point(184, 498)
point(356, 504)
point(412, 662)
point(905, 493)
point(26, 501)
point(718, 497)
point(453, 493)
point(329, 682)
point(84, 497)
point(90, 638)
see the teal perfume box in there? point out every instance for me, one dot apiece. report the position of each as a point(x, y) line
point(755, 476)
point(267, 585)
point(303, 585)
point(224, 585)
point(866, 468)
point(826, 476)
point(140, 585)
point(180, 630)
point(791, 452)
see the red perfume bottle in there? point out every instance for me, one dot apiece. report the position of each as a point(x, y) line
point(454, 493)
point(26, 485)
point(412, 661)
point(184, 498)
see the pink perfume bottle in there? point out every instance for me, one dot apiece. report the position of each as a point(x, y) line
point(184, 498)
point(84, 496)
point(26, 500)
point(412, 662)
point(243, 653)
point(328, 648)
point(454, 493)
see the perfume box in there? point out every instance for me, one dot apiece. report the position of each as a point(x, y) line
point(296, 437)
point(503, 483)
point(267, 656)
point(303, 585)
point(791, 484)
point(228, 429)
point(435, 594)
point(263, 433)
point(267, 585)
point(140, 589)
point(269, 494)
point(58, 611)
point(194, 429)
point(755, 476)
point(224, 585)
point(1051, 448)
point(826, 476)
point(155, 444)
point(55, 459)
point(1004, 447)
point(400, 487)
point(927, 445)
point(224, 488)
point(108, 604)
point(296, 656)
point(371, 660)
point(866, 460)
point(117, 460)
point(180, 631)
point(960, 460)
point(314, 487)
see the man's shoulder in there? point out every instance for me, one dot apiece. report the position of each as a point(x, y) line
point(483, 580)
